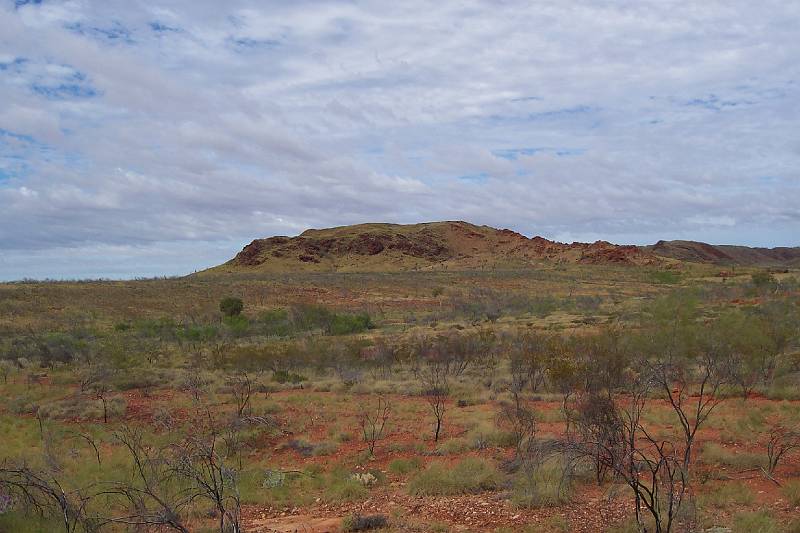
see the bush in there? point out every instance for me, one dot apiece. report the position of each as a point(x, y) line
point(283, 376)
point(231, 306)
point(666, 277)
point(347, 324)
point(237, 324)
point(470, 475)
point(356, 522)
point(276, 323)
point(308, 317)
point(764, 281)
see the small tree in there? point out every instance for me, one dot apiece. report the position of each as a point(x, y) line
point(652, 468)
point(764, 282)
point(203, 468)
point(517, 415)
point(241, 389)
point(781, 441)
point(101, 390)
point(5, 369)
point(373, 422)
point(436, 390)
point(153, 497)
point(231, 306)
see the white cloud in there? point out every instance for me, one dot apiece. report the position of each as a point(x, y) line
point(175, 122)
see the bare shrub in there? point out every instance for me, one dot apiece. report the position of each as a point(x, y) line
point(373, 422)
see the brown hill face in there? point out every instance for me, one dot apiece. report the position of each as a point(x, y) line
point(700, 252)
point(435, 245)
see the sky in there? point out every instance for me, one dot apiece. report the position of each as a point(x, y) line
point(146, 138)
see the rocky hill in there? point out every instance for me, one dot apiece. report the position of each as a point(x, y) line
point(455, 245)
point(429, 246)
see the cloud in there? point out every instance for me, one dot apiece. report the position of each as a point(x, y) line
point(160, 127)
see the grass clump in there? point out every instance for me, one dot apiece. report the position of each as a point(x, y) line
point(791, 491)
point(404, 466)
point(470, 475)
point(357, 522)
point(757, 522)
point(713, 453)
point(727, 495)
point(453, 447)
point(544, 485)
point(344, 489)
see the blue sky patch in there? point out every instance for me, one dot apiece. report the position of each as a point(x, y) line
point(18, 136)
point(557, 113)
point(13, 65)
point(247, 43)
point(715, 103)
point(512, 154)
point(64, 91)
point(115, 33)
point(481, 177)
point(163, 28)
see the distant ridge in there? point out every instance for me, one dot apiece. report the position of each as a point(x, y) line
point(459, 245)
point(700, 252)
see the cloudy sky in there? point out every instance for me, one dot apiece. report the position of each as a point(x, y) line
point(140, 138)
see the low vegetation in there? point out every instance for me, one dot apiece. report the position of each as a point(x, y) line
point(652, 400)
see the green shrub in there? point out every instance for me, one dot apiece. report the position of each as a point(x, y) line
point(308, 317)
point(236, 324)
point(276, 322)
point(470, 475)
point(283, 376)
point(764, 281)
point(347, 324)
point(542, 306)
point(231, 306)
point(311, 317)
point(666, 277)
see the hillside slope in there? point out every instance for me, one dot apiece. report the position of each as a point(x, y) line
point(700, 252)
point(434, 245)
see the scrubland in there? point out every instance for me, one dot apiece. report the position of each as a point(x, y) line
point(559, 398)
